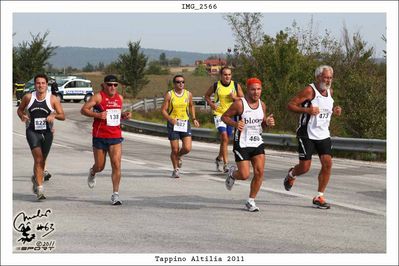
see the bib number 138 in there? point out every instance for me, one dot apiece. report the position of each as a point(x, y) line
point(113, 117)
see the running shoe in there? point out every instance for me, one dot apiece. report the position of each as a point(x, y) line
point(40, 193)
point(91, 179)
point(289, 181)
point(115, 200)
point(34, 184)
point(230, 179)
point(225, 168)
point(218, 163)
point(320, 202)
point(180, 163)
point(47, 175)
point(251, 206)
point(176, 173)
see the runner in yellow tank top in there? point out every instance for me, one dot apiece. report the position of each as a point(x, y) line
point(225, 91)
point(175, 110)
point(178, 105)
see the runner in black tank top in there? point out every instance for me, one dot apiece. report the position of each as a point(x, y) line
point(38, 110)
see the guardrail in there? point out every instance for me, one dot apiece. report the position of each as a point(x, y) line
point(343, 144)
point(154, 103)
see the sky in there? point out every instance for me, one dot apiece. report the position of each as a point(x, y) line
point(192, 32)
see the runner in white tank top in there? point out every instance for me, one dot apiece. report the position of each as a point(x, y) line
point(316, 126)
point(251, 135)
point(315, 104)
point(248, 144)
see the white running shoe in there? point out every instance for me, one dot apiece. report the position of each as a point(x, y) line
point(115, 200)
point(40, 193)
point(91, 179)
point(251, 206)
point(176, 173)
point(225, 168)
point(230, 179)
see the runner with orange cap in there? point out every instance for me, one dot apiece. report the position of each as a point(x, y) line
point(248, 148)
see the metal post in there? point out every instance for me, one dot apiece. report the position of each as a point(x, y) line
point(145, 105)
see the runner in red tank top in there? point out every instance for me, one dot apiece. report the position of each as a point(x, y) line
point(106, 109)
point(108, 128)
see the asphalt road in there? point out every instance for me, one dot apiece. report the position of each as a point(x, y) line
point(193, 214)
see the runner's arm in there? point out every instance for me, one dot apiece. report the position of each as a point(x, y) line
point(88, 106)
point(208, 99)
point(164, 109)
point(235, 109)
point(59, 111)
point(294, 104)
point(21, 108)
point(192, 110)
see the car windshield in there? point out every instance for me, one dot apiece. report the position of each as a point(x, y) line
point(29, 83)
point(61, 82)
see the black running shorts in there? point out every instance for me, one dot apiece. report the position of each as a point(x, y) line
point(306, 147)
point(42, 140)
point(245, 154)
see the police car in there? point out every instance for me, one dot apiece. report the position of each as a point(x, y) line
point(69, 88)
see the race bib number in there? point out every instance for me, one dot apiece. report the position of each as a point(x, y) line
point(40, 123)
point(323, 119)
point(113, 117)
point(219, 122)
point(180, 126)
point(253, 138)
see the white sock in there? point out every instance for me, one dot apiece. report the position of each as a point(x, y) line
point(251, 199)
point(116, 192)
point(291, 175)
point(321, 194)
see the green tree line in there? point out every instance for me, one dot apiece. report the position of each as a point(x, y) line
point(286, 64)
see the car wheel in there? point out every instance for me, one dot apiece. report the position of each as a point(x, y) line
point(87, 97)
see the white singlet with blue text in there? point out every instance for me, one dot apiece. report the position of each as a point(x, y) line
point(251, 135)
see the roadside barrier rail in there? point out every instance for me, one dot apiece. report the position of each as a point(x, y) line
point(343, 144)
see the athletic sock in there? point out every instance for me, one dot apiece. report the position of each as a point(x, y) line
point(291, 175)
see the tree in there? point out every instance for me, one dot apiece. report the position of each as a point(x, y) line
point(131, 67)
point(200, 71)
point(111, 68)
point(30, 58)
point(163, 61)
point(361, 87)
point(175, 61)
point(155, 68)
point(100, 66)
point(88, 68)
point(247, 30)
point(284, 70)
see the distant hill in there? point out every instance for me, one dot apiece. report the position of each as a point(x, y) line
point(78, 57)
